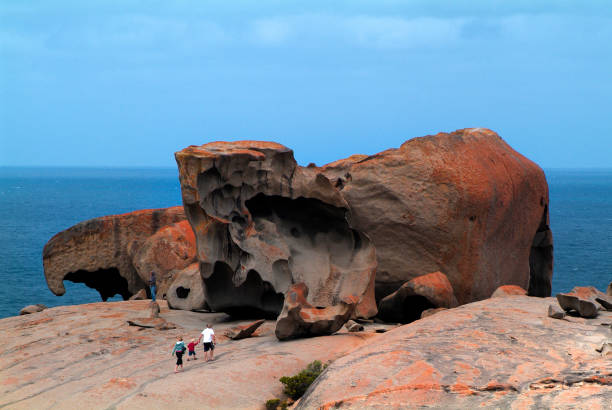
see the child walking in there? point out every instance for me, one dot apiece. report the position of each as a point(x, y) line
point(191, 346)
point(179, 349)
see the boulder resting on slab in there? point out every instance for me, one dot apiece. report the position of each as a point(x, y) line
point(32, 309)
point(187, 289)
point(300, 319)
point(98, 252)
point(508, 290)
point(424, 292)
point(244, 331)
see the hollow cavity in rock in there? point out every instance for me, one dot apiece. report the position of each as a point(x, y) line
point(108, 282)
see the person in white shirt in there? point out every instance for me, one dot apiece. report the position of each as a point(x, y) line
point(209, 340)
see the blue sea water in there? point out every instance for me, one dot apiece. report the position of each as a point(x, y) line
point(36, 203)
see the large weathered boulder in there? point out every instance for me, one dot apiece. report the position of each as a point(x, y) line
point(499, 353)
point(300, 319)
point(171, 248)
point(425, 292)
point(187, 289)
point(263, 223)
point(463, 203)
point(98, 252)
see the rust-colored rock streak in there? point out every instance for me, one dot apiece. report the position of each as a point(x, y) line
point(463, 203)
point(497, 353)
point(263, 223)
point(98, 252)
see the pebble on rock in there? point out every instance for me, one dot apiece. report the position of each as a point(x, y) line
point(555, 312)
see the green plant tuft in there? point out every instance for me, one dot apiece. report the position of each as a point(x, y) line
point(272, 404)
point(295, 386)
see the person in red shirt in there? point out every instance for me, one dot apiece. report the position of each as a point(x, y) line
point(191, 348)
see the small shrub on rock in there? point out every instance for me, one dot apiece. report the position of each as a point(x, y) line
point(272, 404)
point(295, 386)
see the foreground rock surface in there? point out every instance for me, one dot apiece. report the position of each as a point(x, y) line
point(498, 353)
point(103, 253)
point(88, 357)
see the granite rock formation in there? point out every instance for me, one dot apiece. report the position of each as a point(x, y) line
point(263, 223)
point(463, 203)
point(585, 300)
point(425, 292)
point(300, 319)
point(497, 353)
point(113, 254)
point(187, 289)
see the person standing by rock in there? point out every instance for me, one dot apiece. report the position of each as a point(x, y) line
point(153, 285)
point(209, 340)
point(179, 349)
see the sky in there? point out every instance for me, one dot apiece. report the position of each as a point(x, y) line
point(128, 83)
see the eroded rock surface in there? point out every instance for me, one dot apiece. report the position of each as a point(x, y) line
point(263, 223)
point(585, 300)
point(300, 319)
point(463, 203)
point(187, 289)
point(99, 252)
point(425, 292)
point(497, 353)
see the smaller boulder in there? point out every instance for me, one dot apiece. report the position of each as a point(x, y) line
point(508, 290)
point(570, 302)
point(242, 332)
point(32, 309)
point(353, 326)
point(300, 319)
point(429, 312)
point(605, 349)
point(151, 323)
point(140, 295)
point(424, 292)
point(186, 291)
point(555, 312)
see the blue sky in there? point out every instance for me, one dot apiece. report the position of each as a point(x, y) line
point(128, 83)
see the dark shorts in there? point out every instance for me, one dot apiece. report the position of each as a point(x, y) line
point(179, 357)
point(209, 346)
point(192, 353)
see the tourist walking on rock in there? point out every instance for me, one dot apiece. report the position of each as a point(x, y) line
point(209, 340)
point(179, 350)
point(153, 285)
point(191, 346)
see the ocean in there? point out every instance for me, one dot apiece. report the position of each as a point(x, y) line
point(36, 203)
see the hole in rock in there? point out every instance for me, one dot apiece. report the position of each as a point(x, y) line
point(182, 292)
point(108, 282)
point(414, 306)
point(253, 299)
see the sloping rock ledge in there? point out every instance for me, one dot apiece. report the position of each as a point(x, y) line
point(500, 352)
